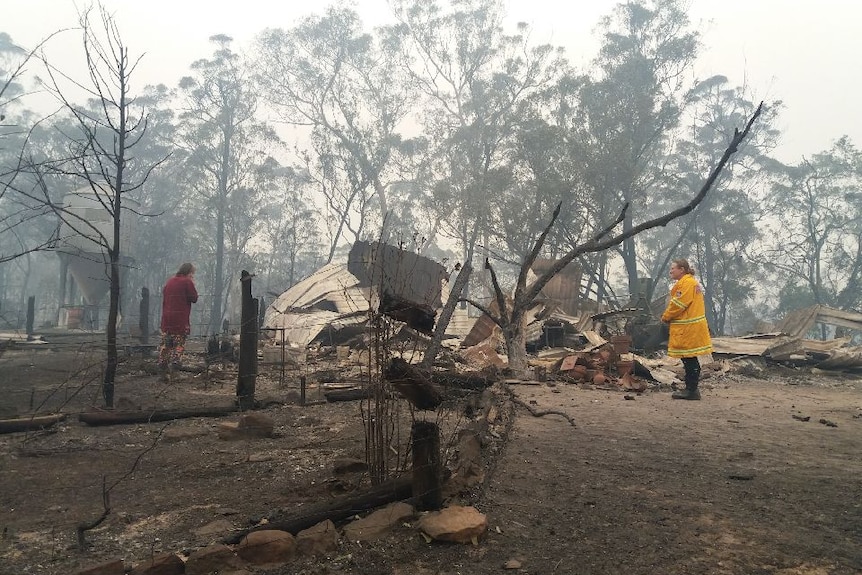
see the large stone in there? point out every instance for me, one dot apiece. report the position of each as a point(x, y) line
point(268, 547)
point(165, 564)
point(318, 539)
point(110, 568)
point(378, 523)
point(250, 426)
point(457, 524)
point(215, 558)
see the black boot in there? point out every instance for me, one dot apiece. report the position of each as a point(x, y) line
point(692, 378)
point(687, 393)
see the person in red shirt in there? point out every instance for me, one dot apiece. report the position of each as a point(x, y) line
point(178, 295)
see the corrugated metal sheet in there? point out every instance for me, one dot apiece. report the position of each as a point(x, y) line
point(322, 299)
point(300, 328)
point(400, 273)
point(332, 286)
point(799, 322)
point(334, 297)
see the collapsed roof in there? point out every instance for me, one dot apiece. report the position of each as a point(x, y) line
point(337, 298)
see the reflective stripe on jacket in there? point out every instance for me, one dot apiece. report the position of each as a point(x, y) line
point(686, 313)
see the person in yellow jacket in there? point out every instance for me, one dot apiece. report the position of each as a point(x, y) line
point(689, 332)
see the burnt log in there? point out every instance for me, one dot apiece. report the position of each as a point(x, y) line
point(413, 384)
point(398, 489)
point(31, 423)
point(109, 417)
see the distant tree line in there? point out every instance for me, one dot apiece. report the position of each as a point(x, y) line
point(446, 133)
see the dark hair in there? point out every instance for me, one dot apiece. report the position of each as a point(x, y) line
point(683, 264)
point(186, 269)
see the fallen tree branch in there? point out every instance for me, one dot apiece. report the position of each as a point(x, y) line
point(538, 412)
point(542, 412)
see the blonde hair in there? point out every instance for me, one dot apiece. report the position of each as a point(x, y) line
point(683, 264)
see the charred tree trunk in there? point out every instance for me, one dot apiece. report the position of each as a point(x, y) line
point(31, 423)
point(111, 330)
point(516, 346)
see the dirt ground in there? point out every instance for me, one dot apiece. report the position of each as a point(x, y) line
point(763, 475)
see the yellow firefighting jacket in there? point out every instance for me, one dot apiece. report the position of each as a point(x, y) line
point(686, 314)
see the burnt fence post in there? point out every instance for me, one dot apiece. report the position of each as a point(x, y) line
point(144, 316)
point(427, 471)
point(247, 378)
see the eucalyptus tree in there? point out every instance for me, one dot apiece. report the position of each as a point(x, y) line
point(344, 88)
point(289, 232)
point(816, 230)
point(345, 192)
point(228, 163)
point(629, 108)
point(36, 178)
point(31, 148)
point(167, 215)
point(16, 214)
point(539, 174)
point(721, 234)
point(13, 60)
point(473, 77)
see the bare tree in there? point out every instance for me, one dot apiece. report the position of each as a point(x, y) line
point(106, 132)
point(511, 317)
